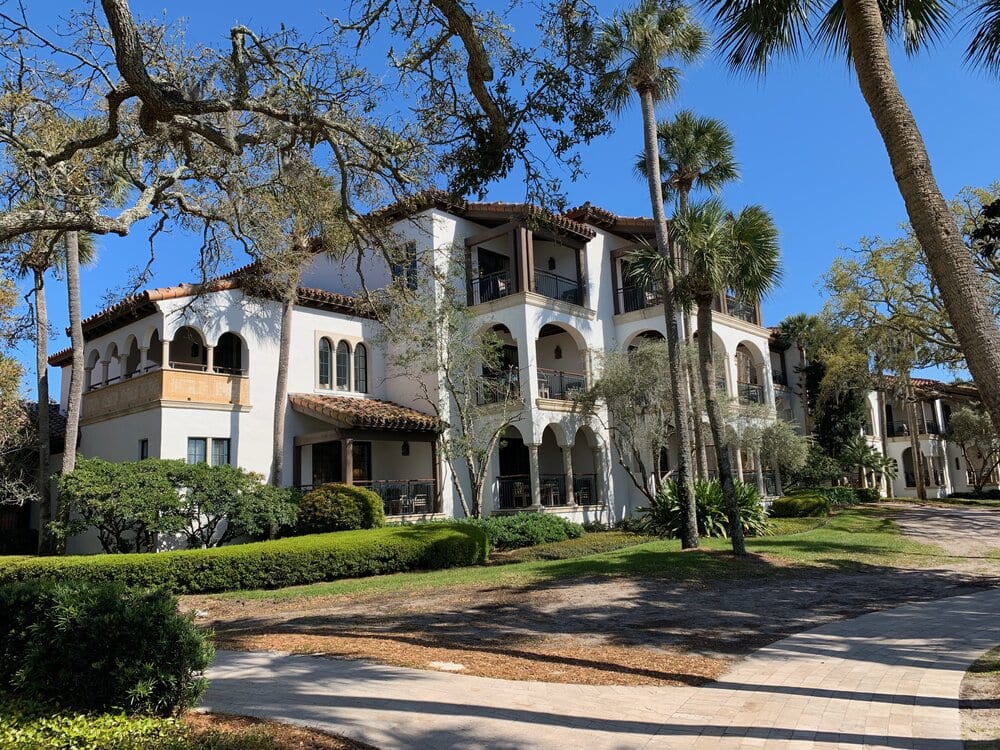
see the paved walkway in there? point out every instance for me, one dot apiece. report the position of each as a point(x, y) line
point(887, 680)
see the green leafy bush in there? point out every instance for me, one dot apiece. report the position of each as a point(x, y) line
point(131, 501)
point(984, 495)
point(340, 507)
point(588, 544)
point(525, 529)
point(665, 518)
point(841, 496)
point(800, 506)
point(101, 646)
point(868, 494)
point(31, 726)
point(274, 564)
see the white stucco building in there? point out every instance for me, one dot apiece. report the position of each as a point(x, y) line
point(190, 373)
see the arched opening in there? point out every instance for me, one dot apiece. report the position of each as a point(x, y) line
point(113, 364)
point(644, 337)
point(585, 468)
point(229, 357)
point(133, 360)
point(92, 381)
point(187, 350)
point(513, 471)
point(560, 356)
point(551, 470)
point(361, 368)
point(719, 354)
point(325, 360)
point(343, 370)
point(909, 475)
point(749, 376)
point(155, 353)
point(500, 369)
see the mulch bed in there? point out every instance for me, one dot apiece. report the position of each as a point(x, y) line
point(270, 734)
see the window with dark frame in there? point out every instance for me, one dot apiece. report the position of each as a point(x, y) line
point(197, 450)
point(343, 366)
point(361, 368)
point(325, 363)
point(220, 452)
point(143, 449)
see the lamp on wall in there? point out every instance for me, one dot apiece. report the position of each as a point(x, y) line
point(405, 448)
point(558, 352)
point(552, 263)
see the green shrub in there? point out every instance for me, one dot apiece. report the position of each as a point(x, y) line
point(101, 646)
point(588, 544)
point(525, 529)
point(868, 494)
point(30, 726)
point(984, 495)
point(665, 518)
point(340, 507)
point(800, 506)
point(266, 565)
point(840, 497)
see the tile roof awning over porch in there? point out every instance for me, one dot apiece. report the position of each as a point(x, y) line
point(349, 412)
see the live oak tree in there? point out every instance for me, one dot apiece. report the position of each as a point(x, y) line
point(752, 36)
point(971, 430)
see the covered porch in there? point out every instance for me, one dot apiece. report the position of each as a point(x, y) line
point(387, 448)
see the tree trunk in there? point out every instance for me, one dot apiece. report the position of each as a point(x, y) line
point(706, 360)
point(281, 387)
point(804, 388)
point(44, 436)
point(880, 400)
point(951, 265)
point(678, 372)
point(75, 401)
point(779, 489)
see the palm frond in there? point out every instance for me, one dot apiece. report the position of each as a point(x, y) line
point(984, 49)
point(919, 23)
point(755, 254)
point(752, 32)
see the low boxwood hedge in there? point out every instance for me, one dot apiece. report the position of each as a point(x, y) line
point(507, 532)
point(800, 506)
point(268, 565)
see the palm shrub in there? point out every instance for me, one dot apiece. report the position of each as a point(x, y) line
point(664, 518)
point(340, 507)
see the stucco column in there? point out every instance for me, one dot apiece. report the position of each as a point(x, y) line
point(768, 384)
point(122, 365)
point(104, 371)
point(209, 359)
point(738, 460)
point(598, 476)
point(347, 459)
point(143, 359)
point(165, 357)
point(759, 466)
point(536, 485)
point(88, 378)
point(567, 454)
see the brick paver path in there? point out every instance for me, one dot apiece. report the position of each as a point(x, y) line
point(889, 679)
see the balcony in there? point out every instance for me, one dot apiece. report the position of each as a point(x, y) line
point(490, 287)
point(750, 393)
point(560, 385)
point(740, 309)
point(403, 497)
point(779, 378)
point(498, 389)
point(898, 429)
point(631, 298)
point(514, 492)
point(171, 387)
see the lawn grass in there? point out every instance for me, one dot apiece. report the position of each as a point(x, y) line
point(853, 537)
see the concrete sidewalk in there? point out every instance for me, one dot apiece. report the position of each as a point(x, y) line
point(889, 680)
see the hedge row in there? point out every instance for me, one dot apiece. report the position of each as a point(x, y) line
point(800, 506)
point(275, 564)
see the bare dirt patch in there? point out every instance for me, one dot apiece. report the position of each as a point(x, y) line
point(980, 703)
point(258, 733)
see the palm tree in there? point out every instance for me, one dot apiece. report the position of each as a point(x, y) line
point(751, 37)
point(637, 42)
point(738, 252)
point(695, 152)
point(800, 328)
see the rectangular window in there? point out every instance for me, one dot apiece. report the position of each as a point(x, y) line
point(197, 450)
point(406, 265)
point(220, 452)
point(143, 449)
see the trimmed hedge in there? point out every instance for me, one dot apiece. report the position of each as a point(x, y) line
point(525, 529)
point(269, 565)
point(800, 507)
point(588, 544)
point(100, 647)
point(868, 494)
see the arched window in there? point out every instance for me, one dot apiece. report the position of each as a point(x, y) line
point(325, 363)
point(361, 368)
point(343, 366)
point(229, 354)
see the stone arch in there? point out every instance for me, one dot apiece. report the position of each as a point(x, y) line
point(723, 377)
point(231, 354)
point(133, 357)
point(649, 334)
point(187, 349)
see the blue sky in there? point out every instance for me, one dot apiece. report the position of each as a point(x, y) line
point(807, 146)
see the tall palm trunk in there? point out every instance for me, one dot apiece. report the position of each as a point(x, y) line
point(44, 437)
point(961, 288)
point(75, 400)
point(716, 420)
point(281, 386)
point(678, 372)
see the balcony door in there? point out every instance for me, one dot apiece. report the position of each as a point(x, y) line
point(327, 463)
point(494, 275)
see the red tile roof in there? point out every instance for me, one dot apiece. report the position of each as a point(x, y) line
point(371, 413)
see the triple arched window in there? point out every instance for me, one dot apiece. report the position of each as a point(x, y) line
point(335, 366)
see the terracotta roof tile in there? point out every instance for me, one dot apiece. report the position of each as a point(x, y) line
point(364, 412)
